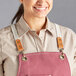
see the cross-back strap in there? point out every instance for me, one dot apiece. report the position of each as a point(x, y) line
point(16, 37)
point(59, 38)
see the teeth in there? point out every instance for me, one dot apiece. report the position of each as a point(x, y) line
point(40, 8)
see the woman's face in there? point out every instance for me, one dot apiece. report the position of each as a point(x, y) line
point(37, 8)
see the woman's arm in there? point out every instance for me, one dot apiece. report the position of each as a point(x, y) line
point(74, 63)
point(1, 69)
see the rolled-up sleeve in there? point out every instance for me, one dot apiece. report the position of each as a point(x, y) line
point(1, 69)
point(74, 61)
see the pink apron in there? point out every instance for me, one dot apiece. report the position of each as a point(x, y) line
point(43, 63)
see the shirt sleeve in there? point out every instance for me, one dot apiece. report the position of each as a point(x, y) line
point(74, 61)
point(1, 69)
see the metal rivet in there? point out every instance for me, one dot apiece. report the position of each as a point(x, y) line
point(24, 58)
point(62, 56)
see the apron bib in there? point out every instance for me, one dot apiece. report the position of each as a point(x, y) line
point(42, 63)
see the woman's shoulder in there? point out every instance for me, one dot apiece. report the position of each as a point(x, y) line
point(66, 30)
point(5, 32)
point(5, 29)
point(68, 33)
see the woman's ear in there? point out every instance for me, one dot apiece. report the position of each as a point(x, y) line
point(21, 1)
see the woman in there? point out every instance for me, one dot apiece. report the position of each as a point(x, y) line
point(34, 46)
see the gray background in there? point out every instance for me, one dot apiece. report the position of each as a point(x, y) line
point(63, 12)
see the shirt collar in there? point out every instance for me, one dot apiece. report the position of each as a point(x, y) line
point(22, 27)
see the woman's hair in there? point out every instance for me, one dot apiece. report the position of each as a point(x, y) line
point(18, 14)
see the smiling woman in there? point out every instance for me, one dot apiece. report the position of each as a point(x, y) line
point(35, 46)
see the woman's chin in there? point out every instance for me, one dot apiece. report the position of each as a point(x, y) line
point(39, 15)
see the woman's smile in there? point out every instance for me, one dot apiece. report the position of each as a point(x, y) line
point(40, 9)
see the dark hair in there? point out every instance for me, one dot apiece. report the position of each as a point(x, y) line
point(18, 14)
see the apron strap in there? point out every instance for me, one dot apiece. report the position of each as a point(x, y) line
point(16, 37)
point(59, 37)
point(14, 31)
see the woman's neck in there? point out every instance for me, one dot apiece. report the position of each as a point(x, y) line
point(35, 24)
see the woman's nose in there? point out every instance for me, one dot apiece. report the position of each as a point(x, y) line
point(40, 2)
